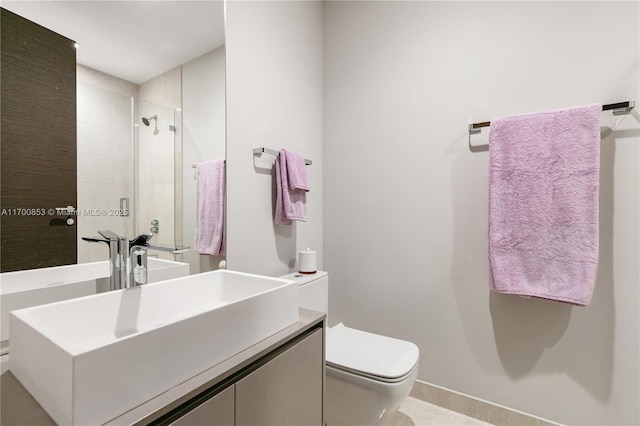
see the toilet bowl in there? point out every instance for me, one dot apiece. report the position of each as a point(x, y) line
point(368, 376)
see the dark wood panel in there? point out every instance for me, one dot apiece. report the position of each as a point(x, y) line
point(38, 144)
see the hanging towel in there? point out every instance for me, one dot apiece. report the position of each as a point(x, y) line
point(543, 204)
point(210, 208)
point(296, 170)
point(291, 203)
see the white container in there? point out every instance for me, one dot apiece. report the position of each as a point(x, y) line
point(307, 261)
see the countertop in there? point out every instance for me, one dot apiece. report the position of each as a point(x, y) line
point(18, 408)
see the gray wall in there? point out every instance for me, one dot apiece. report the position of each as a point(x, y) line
point(203, 120)
point(274, 100)
point(405, 206)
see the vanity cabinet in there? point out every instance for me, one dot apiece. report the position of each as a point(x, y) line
point(285, 391)
point(278, 381)
point(219, 410)
point(284, 387)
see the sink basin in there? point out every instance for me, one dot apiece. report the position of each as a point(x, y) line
point(90, 359)
point(22, 289)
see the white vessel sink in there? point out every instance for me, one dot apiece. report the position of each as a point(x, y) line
point(90, 359)
point(22, 289)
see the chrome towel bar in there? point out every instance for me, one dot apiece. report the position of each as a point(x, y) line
point(262, 150)
point(617, 108)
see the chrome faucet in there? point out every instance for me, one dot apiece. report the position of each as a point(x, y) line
point(136, 254)
point(138, 257)
point(117, 257)
point(142, 240)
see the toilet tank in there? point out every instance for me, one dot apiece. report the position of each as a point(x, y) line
point(313, 290)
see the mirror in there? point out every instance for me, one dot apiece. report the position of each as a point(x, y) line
point(139, 60)
point(150, 105)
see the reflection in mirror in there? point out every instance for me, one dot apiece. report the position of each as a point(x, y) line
point(105, 141)
point(156, 166)
point(158, 60)
point(159, 50)
point(203, 133)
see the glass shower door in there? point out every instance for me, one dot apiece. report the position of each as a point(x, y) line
point(158, 141)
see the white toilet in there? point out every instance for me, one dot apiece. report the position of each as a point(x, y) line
point(368, 376)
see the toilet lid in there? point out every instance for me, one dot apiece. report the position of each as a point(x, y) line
point(371, 354)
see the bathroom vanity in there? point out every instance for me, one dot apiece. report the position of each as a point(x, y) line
point(279, 380)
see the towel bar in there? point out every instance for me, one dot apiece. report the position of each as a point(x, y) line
point(262, 150)
point(193, 166)
point(617, 108)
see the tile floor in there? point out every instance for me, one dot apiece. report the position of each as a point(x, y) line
point(415, 412)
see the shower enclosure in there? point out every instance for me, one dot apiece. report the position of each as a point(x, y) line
point(158, 165)
point(129, 163)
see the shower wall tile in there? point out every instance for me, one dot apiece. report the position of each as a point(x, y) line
point(105, 157)
point(99, 200)
point(114, 169)
point(164, 89)
point(105, 81)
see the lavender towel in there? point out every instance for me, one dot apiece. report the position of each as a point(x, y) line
point(290, 202)
point(210, 207)
point(543, 204)
point(296, 170)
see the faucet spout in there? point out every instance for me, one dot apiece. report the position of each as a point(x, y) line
point(143, 240)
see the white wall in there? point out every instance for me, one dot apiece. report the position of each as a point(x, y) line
point(405, 197)
point(274, 99)
point(203, 104)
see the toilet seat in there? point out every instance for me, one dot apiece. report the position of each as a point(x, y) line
point(377, 357)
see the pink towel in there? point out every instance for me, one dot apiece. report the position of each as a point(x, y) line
point(543, 204)
point(210, 206)
point(296, 170)
point(290, 202)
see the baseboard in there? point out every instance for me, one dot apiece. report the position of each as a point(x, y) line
point(474, 407)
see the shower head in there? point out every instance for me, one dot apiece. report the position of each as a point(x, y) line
point(147, 121)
